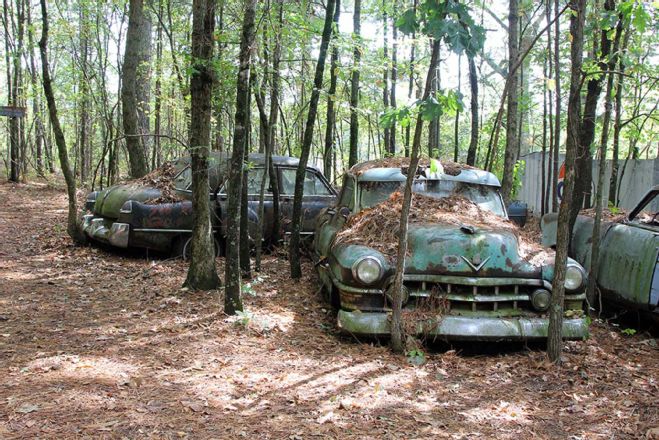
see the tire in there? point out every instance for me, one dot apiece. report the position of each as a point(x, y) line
point(182, 247)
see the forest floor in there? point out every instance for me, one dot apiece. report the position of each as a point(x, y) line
point(100, 344)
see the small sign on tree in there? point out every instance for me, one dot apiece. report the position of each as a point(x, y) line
point(12, 112)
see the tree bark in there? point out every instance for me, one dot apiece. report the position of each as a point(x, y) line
point(512, 139)
point(473, 85)
point(557, 115)
point(397, 344)
point(595, 245)
point(202, 273)
point(617, 128)
point(584, 169)
point(294, 248)
point(135, 87)
point(394, 77)
point(72, 219)
point(456, 122)
point(233, 298)
point(275, 92)
point(555, 332)
point(331, 98)
point(353, 156)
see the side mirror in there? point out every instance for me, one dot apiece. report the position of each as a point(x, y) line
point(344, 211)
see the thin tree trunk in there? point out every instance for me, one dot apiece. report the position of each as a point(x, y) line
point(294, 249)
point(272, 122)
point(394, 77)
point(473, 85)
point(555, 332)
point(456, 123)
point(557, 114)
point(615, 159)
point(233, 298)
point(599, 194)
point(512, 139)
point(36, 105)
point(72, 220)
point(354, 83)
point(331, 98)
point(202, 273)
point(397, 344)
point(385, 76)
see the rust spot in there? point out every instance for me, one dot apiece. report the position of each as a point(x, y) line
point(504, 248)
point(509, 263)
point(451, 259)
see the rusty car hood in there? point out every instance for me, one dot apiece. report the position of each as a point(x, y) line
point(109, 201)
point(469, 251)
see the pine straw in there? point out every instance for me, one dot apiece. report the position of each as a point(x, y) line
point(450, 168)
point(161, 178)
point(378, 227)
point(607, 215)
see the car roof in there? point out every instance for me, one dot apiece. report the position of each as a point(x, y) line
point(475, 176)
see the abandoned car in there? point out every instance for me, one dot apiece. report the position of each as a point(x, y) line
point(628, 264)
point(469, 275)
point(155, 212)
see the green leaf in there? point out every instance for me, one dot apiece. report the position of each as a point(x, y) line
point(407, 22)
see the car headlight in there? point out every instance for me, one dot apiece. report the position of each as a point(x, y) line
point(367, 270)
point(574, 277)
point(91, 200)
point(127, 207)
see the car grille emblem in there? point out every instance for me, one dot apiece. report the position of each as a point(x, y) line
point(476, 264)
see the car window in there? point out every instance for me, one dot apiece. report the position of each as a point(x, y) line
point(313, 185)
point(183, 180)
point(254, 177)
point(347, 192)
point(486, 197)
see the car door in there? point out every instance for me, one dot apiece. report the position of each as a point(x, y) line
point(317, 195)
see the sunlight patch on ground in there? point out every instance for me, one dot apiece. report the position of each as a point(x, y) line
point(85, 369)
point(503, 412)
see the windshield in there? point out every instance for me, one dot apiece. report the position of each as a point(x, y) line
point(486, 197)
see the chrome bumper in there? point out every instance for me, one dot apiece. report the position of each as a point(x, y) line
point(95, 228)
point(452, 327)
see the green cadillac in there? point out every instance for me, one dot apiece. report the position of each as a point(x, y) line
point(464, 257)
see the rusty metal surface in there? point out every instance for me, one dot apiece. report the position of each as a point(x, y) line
point(479, 276)
point(156, 225)
point(627, 267)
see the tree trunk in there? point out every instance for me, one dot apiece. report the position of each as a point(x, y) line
point(456, 122)
point(397, 344)
point(233, 298)
point(595, 246)
point(354, 83)
point(135, 87)
point(555, 332)
point(72, 219)
point(557, 115)
point(584, 169)
point(410, 86)
point(275, 92)
point(617, 128)
point(84, 116)
point(331, 98)
point(385, 76)
point(36, 105)
point(473, 85)
point(294, 249)
point(512, 139)
point(202, 273)
point(394, 77)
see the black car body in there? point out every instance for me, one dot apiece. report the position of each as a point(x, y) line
point(131, 215)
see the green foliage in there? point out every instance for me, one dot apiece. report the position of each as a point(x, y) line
point(628, 331)
point(446, 20)
point(518, 172)
point(416, 357)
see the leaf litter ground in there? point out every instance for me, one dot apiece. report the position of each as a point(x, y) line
point(100, 344)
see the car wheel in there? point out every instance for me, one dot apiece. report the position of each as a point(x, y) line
point(182, 247)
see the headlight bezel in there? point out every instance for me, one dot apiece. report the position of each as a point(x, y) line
point(367, 259)
point(575, 268)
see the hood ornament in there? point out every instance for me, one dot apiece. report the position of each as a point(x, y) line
point(476, 264)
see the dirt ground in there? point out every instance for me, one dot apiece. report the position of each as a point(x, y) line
point(99, 344)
